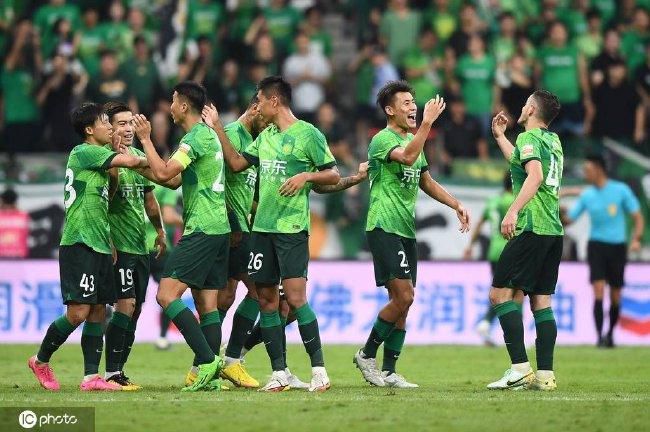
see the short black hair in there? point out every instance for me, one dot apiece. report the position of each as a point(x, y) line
point(107, 53)
point(389, 90)
point(548, 105)
point(194, 93)
point(504, 15)
point(9, 196)
point(111, 108)
point(598, 160)
point(507, 181)
point(85, 115)
point(275, 85)
point(592, 14)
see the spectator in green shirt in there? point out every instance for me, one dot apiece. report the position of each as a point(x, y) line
point(142, 77)
point(321, 41)
point(282, 22)
point(475, 74)
point(110, 84)
point(421, 64)
point(18, 85)
point(204, 18)
point(48, 14)
point(634, 40)
point(590, 43)
point(399, 29)
point(116, 33)
point(562, 70)
point(575, 17)
point(137, 22)
point(441, 19)
point(91, 41)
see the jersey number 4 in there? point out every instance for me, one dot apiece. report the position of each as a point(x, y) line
point(553, 177)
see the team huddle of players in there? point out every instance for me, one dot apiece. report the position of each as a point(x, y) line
point(246, 218)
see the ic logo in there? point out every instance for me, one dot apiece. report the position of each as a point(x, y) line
point(27, 419)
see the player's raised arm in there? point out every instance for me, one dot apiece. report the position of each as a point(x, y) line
point(409, 154)
point(440, 194)
point(499, 126)
point(233, 158)
point(531, 185)
point(161, 170)
point(345, 182)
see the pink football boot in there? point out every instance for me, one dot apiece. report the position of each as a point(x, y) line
point(44, 374)
point(99, 384)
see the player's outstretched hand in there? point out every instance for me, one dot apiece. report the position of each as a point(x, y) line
point(499, 124)
point(463, 218)
point(508, 226)
point(210, 115)
point(362, 174)
point(433, 108)
point(293, 185)
point(142, 127)
point(160, 244)
point(116, 143)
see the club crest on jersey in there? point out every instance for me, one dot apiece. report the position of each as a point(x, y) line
point(527, 150)
point(287, 145)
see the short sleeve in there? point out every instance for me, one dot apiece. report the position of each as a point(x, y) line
point(529, 149)
point(318, 151)
point(95, 157)
point(422, 163)
point(630, 202)
point(578, 208)
point(381, 147)
point(252, 152)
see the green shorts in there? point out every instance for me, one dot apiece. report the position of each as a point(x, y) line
point(131, 276)
point(239, 257)
point(275, 257)
point(529, 262)
point(86, 275)
point(393, 256)
point(157, 265)
point(200, 261)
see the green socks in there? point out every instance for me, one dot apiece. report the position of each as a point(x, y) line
point(380, 332)
point(57, 334)
point(509, 314)
point(242, 325)
point(222, 314)
point(546, 334)
point(164, 324)
point(272, 333)
point(92, 343)
point(189, 328)
point(254, 338)
point(308, 327)
point(129, 338)
point(392, 349)
point(211, 328)
point(115, 333)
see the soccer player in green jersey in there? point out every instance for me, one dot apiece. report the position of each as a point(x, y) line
point(494, 212)
point(133, 199)
point(292, 156)
point(200, 259)
point(532, 226)
point(85, 253)
point(397, 169)
point(240, 191)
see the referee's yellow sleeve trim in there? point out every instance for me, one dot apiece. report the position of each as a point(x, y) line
point(182, 158)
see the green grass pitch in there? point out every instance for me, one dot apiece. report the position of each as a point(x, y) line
point(599, 390)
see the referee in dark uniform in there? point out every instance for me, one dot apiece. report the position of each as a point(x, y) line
point(607, 202)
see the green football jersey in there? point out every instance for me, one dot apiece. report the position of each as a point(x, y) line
point(165, 197)
point(240, 187)
point(279, 156)
point(204, 202)
point(542, 213)
point(126, 213)
point(86, 198)
point(560, 72)
point(495, 210)
point(393, 186)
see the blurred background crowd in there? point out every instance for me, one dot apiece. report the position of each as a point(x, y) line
point(484, 56)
